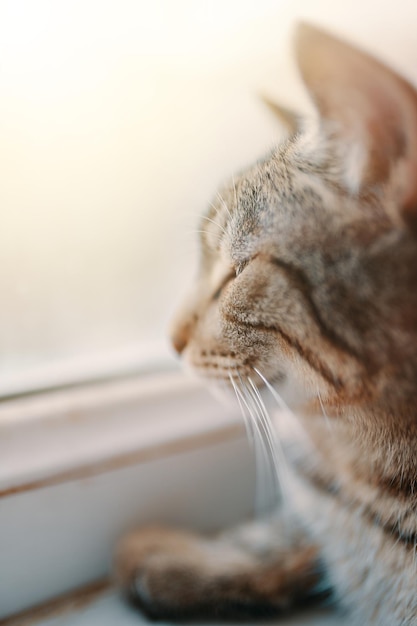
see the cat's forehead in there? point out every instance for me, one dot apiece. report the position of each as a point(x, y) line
point(283, 183)
point(282, 201)
point(278, 195)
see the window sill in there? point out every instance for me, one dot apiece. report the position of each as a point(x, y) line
point(73, 433)
point(106, 608)
point(82, 466)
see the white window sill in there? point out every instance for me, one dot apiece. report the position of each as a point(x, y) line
point(78, 468)
point(108, 609)
point(58, 436)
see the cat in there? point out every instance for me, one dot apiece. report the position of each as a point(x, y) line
point(308, 273)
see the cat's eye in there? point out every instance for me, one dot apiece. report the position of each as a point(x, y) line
point(240, 267)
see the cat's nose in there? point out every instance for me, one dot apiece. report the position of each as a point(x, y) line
point(181, 330)
point(179, 339)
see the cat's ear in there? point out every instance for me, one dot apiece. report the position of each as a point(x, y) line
point(287, 117)
point(367, 108)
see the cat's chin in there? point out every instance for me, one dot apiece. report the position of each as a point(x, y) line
point(228, 375)
point(278, 394)
point(223, 382)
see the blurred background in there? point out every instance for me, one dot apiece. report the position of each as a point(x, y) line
point(118, 119)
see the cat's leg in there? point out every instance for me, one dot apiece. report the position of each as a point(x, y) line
point(258, 569)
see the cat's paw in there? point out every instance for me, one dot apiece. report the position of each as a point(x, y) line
point(175, 574)
point(161, 570)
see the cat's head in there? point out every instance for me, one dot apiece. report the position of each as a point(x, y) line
point(309, 258)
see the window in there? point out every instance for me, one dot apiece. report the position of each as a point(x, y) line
point(118, 120)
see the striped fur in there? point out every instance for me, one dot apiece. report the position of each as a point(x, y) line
point(309, 273)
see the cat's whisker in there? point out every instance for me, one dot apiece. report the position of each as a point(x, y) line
point(263, 423)
point(224, 204)
point(257, 440)
point(281, 464)
point(269, 483)
point(194, 231)
point(219, 226)
point(282, 405)
point(243, 394)
point(234, 192)
point(206, 234)
point(265, 481)
point(291, 420)
point(323, 410)
point(246, 420)
point(218, 238)
point(216, 210)
point(262, 413)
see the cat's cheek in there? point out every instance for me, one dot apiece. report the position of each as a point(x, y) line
point(257, 349)
point(244, 300)
point(207, 352)
point(220, 348)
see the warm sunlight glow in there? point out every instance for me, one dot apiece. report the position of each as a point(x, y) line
point(118, 120)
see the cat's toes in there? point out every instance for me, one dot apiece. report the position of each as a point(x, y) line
point(175, 574)
point(157, 568)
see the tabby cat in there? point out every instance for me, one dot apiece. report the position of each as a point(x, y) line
point(308, 273)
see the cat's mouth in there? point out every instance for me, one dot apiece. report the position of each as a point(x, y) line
point(250, 382)
point(227, 367)
point(214, 364)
